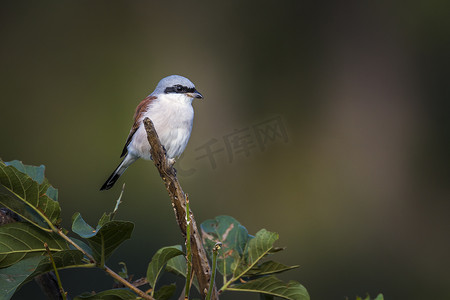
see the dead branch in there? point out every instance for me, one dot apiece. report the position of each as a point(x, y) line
point(178, 197)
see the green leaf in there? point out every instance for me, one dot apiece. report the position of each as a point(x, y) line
point(261, 245)
point(12, 277)
point(103, 220)
point(35, 172)
point(177, 266)
point(80, 227)
point(105, 239)
point(273, 286)
point(265, 297)
point(82, 245)
point(276, 249)
point(23, 240)
point(63, 259)
point(267, 268)
point(165, 292)
point(257, 248)
point(232, 235)
point(27, 194)
point(379, 297)
point(26, 212)
point(159, 260)
point(114, 294)
point(52, 193)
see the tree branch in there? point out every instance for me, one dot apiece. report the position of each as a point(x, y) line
point(107, 269)
point(178, 197)
point(127, 284)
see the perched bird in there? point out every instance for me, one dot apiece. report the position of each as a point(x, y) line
point(170, 109)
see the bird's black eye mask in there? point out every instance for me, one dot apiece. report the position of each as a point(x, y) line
point(179, 89)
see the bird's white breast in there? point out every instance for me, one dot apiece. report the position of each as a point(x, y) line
point(172, 115)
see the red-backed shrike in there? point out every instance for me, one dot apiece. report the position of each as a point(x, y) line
point(170, 109)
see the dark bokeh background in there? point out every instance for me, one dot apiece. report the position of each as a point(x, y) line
point(359, 194)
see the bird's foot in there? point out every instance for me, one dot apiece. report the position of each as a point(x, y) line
point(171, 162)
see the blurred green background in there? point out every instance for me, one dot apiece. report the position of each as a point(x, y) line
point(359, 193)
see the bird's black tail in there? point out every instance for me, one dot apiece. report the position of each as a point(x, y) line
point(128, 160)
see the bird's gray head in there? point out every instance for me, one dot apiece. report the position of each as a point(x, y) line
point(175, 84)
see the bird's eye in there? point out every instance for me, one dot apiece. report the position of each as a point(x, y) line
point(178, 88)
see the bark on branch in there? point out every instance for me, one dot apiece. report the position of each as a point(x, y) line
point(178, 197)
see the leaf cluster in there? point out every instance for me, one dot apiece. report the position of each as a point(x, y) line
point(240, 260)
point(379, 297)
point(23, 251)
point(30, 247)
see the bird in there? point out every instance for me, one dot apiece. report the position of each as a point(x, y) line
point(169, 107)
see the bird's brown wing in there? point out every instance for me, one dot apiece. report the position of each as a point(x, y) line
point(140, 110)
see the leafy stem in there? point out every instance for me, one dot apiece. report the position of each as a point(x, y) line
point(106, 268)
point(216, 249)
point(188, 251)
point(256, 249)
point(58, 279)
point(234, 278)
point(127, 284)
point(91, 259)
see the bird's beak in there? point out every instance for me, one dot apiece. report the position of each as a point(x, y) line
point(195, 94)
